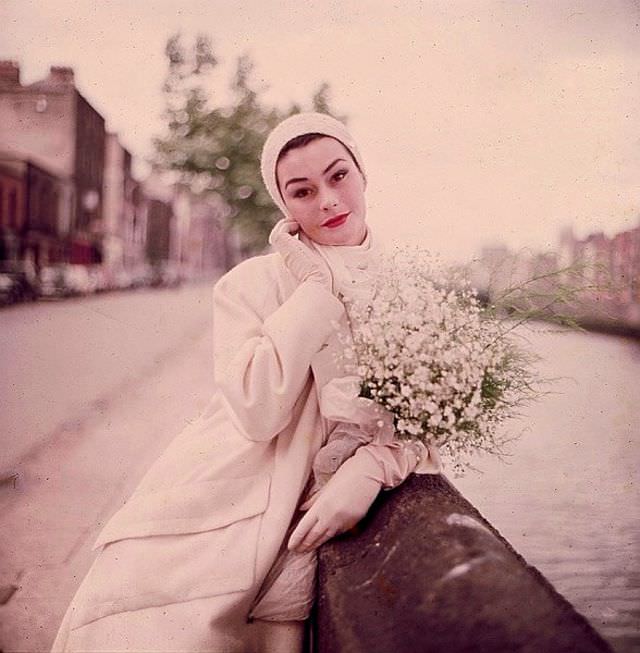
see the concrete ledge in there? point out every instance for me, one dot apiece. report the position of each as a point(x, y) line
point(622, 329)
point(425, 572)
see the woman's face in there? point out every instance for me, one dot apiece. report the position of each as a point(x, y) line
point(324, 191)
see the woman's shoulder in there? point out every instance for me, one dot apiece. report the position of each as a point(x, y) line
point(257, 275)
point(264, 265)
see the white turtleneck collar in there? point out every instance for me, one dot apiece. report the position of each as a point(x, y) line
point(350, 264)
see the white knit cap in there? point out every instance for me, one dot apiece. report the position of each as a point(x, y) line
point(301, 123)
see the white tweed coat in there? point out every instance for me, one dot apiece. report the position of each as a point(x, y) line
point(180, 564)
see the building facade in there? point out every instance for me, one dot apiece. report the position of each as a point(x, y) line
point(598, 275)
point(68, 193)
point(13, 200)
point(33, 202)
point(122, 245)
point(51, 122)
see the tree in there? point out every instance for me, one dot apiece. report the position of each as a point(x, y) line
point(217, 149)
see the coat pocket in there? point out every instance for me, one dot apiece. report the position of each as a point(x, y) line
point(189, 541)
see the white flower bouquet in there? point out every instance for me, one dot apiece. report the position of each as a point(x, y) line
point(426, 350)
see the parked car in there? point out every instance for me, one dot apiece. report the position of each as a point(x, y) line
point(172, 276)
point(66, 280)
point(16, 285)
point(78, 278)
point(167, 275)
point(123, 280)
point(141, 276)
point(53, 282)
point(98, 278)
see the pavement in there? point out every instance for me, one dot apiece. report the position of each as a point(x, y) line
point(55, 499)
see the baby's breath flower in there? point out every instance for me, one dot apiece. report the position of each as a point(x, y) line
point(426, 351)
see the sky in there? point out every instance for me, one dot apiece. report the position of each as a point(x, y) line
point(480, 123)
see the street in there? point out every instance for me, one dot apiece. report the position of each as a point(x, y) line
point(93, 390)
point(68, 358)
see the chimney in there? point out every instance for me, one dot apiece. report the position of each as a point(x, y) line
point(9, 73)
point(61, 75)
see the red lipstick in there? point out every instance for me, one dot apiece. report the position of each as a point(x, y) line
point(336, 221)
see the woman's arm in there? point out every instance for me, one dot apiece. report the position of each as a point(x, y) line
point(390, 463)
point(349, 493)
point(262, 364)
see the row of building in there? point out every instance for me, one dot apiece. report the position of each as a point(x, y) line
point(68, 194)
point(599, 275)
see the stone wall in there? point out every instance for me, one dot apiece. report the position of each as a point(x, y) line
point(424, 571)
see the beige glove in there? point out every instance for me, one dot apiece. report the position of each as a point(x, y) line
point(297, 256)
point(340, 504)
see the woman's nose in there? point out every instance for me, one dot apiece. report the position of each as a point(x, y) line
point(328, 200)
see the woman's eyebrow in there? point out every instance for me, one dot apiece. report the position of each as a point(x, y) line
point(324, 172)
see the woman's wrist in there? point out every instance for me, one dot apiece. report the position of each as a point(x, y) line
point(318, 282)
point(314, 285)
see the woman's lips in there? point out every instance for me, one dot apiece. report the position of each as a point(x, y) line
point(337, 221)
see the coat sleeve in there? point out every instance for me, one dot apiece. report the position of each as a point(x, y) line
point(389, 463)
point(262, 363)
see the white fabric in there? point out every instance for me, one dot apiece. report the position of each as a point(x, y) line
point(350, 265)
point(298, 258)
point(261, 431)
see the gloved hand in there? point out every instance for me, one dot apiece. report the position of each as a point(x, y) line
point(341, 444)
point(297, 256)
point(340, 504)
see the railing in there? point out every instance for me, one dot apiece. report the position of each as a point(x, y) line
point(425, 572)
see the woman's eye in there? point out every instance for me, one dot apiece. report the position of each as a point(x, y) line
point(340, 174)
point(301, 192)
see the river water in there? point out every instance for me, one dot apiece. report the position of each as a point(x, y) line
point(567, 497)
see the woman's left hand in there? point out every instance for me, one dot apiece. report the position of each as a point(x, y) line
point(310, 501)
point(286, 226)
point(297, 256)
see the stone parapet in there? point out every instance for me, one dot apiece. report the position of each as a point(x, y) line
point(425, 572)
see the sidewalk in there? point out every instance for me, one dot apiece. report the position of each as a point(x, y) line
point(67, 489)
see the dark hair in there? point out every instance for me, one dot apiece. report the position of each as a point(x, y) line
point(298, 141)
point(301, 141)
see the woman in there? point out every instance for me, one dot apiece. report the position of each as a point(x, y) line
point(182, 563)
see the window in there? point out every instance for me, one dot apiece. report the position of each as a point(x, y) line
point(44, 208)
point(13, 208)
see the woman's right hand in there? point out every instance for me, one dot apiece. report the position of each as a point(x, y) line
point(340, 504)
point(297, 256)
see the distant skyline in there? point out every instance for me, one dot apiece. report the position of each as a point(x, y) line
point(480, 123)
